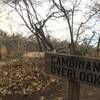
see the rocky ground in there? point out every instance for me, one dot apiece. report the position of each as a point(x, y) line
point(26, 77)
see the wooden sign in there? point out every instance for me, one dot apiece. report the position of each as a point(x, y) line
point(80, 69)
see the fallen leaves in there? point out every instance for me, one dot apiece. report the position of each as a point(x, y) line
point(27, 77)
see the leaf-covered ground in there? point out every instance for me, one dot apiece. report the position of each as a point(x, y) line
point(26, 77)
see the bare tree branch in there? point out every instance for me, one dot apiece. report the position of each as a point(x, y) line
point(87, 46)
point(32, 20)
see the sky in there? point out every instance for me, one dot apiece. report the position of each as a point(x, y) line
point(58, 29)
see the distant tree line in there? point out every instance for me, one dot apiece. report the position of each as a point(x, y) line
point(17, 45)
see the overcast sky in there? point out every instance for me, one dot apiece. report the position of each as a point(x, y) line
point(13, 23)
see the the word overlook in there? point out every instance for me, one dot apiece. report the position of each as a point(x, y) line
point(82, 69)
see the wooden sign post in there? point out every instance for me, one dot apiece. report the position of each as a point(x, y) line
point(76, 69)
point(73, 90)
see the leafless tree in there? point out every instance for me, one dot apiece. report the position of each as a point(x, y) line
point(68, 13)
point(32, 19)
